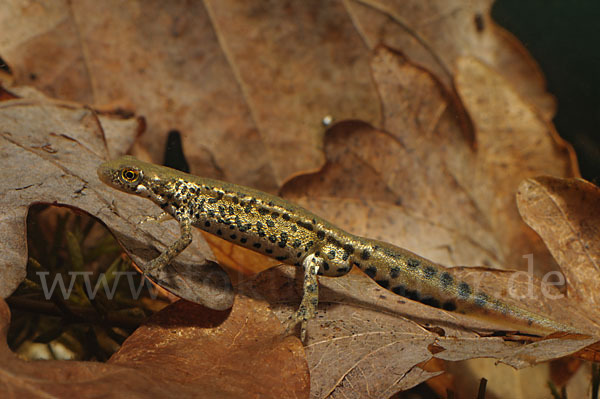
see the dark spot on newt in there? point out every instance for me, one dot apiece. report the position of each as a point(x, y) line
point(384, 283)
point(304, 225)
point(371, 271)
point(399, 290)
point(429, 272)
point(446, 280)
point(414, 295)
point(332, 240)
point(431, 301)
point(481, 299)
point(464, 290)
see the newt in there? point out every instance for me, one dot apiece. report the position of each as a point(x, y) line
point(272, 226)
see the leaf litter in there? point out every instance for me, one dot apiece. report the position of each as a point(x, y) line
point(420, 177)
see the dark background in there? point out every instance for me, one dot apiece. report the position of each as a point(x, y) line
point(564, 37)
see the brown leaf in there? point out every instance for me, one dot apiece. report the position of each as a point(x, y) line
point(183, 351)
point(362, 329)
point(239, 354)
point(435, 33)
point(427, 187)
point(248, 83)
point(566, 214)
point(513, 143)
point(49, 153)
point(238, 259)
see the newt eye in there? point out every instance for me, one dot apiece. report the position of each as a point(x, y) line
point(130, 175)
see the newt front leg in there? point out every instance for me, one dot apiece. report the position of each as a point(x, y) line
point(172, 250)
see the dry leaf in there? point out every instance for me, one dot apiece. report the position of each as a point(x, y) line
point(49, 152)
point(183, 351)
point(248, 83)
point(566, 214)
point(435, 33)
point(427, 187)
point(362, 329)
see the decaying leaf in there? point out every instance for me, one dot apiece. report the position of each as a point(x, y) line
point(49, 153)
point(423, 185)
point(566, 214)
point(242, 80)
point(427, 187)
point(362, 329)
point(183, 351)
point(434, 34)
point(442, 115)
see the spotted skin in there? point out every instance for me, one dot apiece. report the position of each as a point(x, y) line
point(277, 228)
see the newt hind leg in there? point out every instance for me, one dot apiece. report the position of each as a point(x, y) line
point(310, 295)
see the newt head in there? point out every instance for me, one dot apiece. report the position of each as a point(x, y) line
point(131, 175)
point(125, 174)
